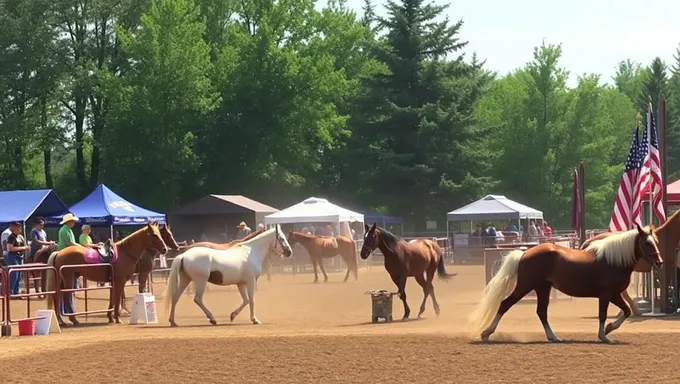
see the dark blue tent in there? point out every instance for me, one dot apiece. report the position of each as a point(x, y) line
point(105, 207)
point(21, 205)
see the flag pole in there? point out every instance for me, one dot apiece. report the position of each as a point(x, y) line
point(653, 312)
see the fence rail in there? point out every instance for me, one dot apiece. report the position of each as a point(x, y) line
point(85, 288)
point(24, 269)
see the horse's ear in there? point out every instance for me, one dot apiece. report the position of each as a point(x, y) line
point(652, 228)
point(366, 228)
point(374, 226)
point(640, 231)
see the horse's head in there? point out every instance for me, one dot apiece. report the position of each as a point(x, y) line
point(371, 240)
point(155, 238)
point(292, 240)
point(168, 237)
point(283, 242)
point(647, 246)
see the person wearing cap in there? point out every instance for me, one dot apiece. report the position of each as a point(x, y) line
point(16, 249)
point(243, 230)
point(260, 227)
point(39, 237)
point(67, 239)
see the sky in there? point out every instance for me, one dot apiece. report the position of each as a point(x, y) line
point(595, 34)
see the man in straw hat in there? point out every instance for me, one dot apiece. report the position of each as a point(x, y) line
point(67, 239)
point(243, 230)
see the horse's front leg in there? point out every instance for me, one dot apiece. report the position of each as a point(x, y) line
point(625, 313)
point(635, 310)
point(116, 298)
point(323, 270)
point(251, 301)
point(605, 297)
point(400, 282)
point(314, 263)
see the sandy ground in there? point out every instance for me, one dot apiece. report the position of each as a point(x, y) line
point(321, 333)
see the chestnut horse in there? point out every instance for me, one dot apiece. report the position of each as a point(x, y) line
point(128, 250)
point(668, 234)
point(319, 248)
point(419, 259)
point(602, 270)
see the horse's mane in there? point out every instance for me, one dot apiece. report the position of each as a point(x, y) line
point(127, 238)
point(389, 236)
point(617, 250)
point(208, 244)
point(253, 235)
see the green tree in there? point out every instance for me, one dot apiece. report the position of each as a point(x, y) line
point(415, 139)
point(158, 105)
point(629, 78)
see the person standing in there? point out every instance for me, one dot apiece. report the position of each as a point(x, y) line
point(243, 230)
point(39, 238)
point(16, 249)
point(68, 239)
point(3, 241)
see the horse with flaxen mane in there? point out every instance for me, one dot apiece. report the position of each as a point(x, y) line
point(123, 256)
point(320, 247)
point(602, 270)
point(419, 259)
point(668, 234)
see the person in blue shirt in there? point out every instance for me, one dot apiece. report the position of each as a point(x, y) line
point(511, 227)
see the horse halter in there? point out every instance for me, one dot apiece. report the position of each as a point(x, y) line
point(649, 256)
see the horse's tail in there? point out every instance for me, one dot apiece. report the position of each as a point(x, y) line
point(441, 268)
point(173, 281)
point(498, 289)
point(50, 285)
point(355, 261)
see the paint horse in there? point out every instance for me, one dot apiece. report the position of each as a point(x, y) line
point(124, 255)
point(240, 265)
point(320, 248)
point(602, 270)
point(419, 259)
point(668, 234)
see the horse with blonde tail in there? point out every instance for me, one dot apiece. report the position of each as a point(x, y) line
point(602, 271)
point(240, 264)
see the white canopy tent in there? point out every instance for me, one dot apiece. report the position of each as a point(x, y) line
point(313, 210)
point(494, 207)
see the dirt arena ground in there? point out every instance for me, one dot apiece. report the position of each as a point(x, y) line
point(321, 333)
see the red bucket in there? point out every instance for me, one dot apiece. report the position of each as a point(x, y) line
point(26, 327)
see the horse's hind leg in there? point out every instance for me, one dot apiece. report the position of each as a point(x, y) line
point(242, 289)
point(514, 298)
point(182, 285)
point(620, 302)
point(426, 291)
point(314, 265)
point(543, 299)
point(631, 303)
point(198, 299)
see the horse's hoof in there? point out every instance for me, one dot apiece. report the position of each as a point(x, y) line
point(213, 322)
point(117, 321)
point(555, 340)
point(605, 339)
point(437, 311)
point(256, 321)
point(173, 324)
point(75, 323)
point(232, 316)
point(110, 321)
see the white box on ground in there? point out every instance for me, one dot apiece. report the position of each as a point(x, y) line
point(43, 325)
point(144, 309)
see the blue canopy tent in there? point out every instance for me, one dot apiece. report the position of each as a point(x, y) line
point(383, 220)
point(103, 207)
point(21, 205)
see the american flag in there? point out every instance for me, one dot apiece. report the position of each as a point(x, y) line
point(628, 195)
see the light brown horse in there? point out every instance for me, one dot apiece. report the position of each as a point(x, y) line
point(603, 271)
point(419, 259)
point(320, 248)
point(668, 234)
point(128, 250)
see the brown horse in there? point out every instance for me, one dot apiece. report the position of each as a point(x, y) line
point(668, 234)
point(603, 271)
point(320, 248)
point(128, 251)
point(419, 259)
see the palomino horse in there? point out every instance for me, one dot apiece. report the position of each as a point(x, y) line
point(668, 234)
point(240, 265)
point(420, 259)
point(603, 270)
point(124, 255)
point(320, 248)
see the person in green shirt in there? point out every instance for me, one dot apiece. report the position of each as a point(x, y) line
point(85, 240)
point(67, 239)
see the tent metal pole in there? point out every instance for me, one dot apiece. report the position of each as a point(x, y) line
point(448, 242)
